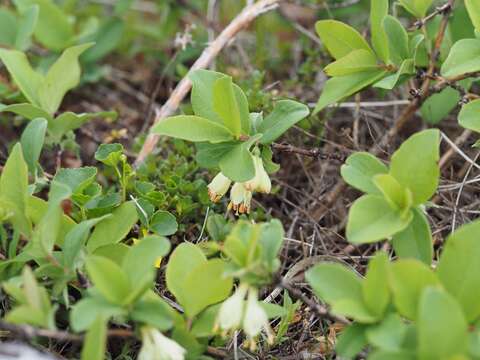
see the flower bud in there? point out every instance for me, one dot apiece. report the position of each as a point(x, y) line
point(240, 198)
point(231, 311)
point(261, 181)
point(156, 346)
point(218, 187)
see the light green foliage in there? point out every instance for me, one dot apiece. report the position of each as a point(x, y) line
point(339, 38)
point(463, 58)
point(469, 116)
point(473, 8)
point(378, 11)
point(417, 8)
point(393, 198)
point(95, 340)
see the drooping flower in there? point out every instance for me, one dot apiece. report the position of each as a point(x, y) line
point(240, 198)
point(218, 187)
point(230, 315)
point(261, 181)
point(156, 346)
point(256, 319)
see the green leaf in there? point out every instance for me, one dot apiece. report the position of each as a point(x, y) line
point(397, 39)
point(183, 260)
point(163, 223)
point(473, 8)
point(54, 29)
point(85, 312)
point(378, 11)
point(415, 164)
point(285, 114)
point(416, 240)
point(62, 76)
point(22, 74)
point(32, 141)
point(442, 328)
point(109, 279)
point(438, 106)
point(389, 334)
point(209, 155)
point(339, 38)
point(205, 285)
point(192, 128)
point(390, 81)
point(8, 27)
point(141, 258)
point(397, 196)
point(26, 26)
point(359, 170)
point(459, 266)
point(76, 238)
point(107, 38)
point(408, 279)
point(376, 293)
point(371, 219)
point(69, 121)
point(341, 288)
point(340, 87)
point(469, 116)
point(237, 164)
point(109, 154)
point(14, 189)
point(26, 110)
point(115, 228)
point(356, 61)
point(76, 179)
point(225, 104)
point(351, 341)
point(417, 8)
point(202, 94)
point(95, 340)
point(154, 311)
point(48, 228)
point(464, 57)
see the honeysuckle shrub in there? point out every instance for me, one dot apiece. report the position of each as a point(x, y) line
point(85, 250)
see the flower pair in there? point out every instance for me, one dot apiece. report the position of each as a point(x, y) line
point(241, 193)
point(249, 315)
point(156, 346)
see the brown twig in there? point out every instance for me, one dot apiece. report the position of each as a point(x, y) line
point(314, 153)
point(438, 10)
point(30, 332)
point(248, 14)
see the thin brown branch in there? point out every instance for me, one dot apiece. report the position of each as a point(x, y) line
point(438, 11)
point(29, 332)
point(248, 14)
point(313, 153)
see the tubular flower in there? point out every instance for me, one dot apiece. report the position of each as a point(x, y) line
point(218, 187)
point(230, 315)
point(256, 319)
point(261, 181)
point(240, 198)
point(156, 346)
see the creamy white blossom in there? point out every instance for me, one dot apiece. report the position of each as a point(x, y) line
point(156, 346)
point(256, 318)
point(261, 181)
point(240, 198)
point(218, 187)
point(231, 311)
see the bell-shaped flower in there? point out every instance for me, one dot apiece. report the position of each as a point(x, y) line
point(156, 346)
point(218, 187)
point(256, 319)
point(230, 315)
point(240, 198)
point(261, 181)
